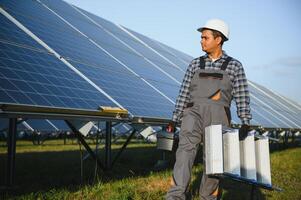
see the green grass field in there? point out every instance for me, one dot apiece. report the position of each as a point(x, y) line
point(53, 171)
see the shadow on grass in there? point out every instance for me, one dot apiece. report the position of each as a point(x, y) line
point(43, 171)
point(232, 190)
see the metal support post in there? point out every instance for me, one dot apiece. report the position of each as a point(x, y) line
point(87, 147)
point(277, 137)
point(293, 137)
point(124, 146)
point(286, 139)
point(108, 145)
point(65, 137)
point(11, 151)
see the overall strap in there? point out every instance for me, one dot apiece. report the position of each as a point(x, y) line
point(223, 67)
point(202, 63)
point(225, 63)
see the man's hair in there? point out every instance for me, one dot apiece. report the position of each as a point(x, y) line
point(218, 34)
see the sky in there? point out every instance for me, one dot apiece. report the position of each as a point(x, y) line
point(265, 35)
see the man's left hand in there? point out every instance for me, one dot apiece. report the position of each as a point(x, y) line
point(243, 131)
point(171, 127)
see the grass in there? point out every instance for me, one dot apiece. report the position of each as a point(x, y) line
point(52, 171)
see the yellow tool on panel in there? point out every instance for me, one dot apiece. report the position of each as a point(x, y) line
point(113, 110)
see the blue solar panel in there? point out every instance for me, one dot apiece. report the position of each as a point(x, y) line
point(4, 124)
point(33, 76)
point(133, 94)
point(130, 72)
point(40, 125)
point(35, 87)
point(37, 124)
point(184, 57)
point(87, 28)
point(107, 73)
point(60, 124)
point(276, 106)
point(174, 57)
point(265, 116)
point(125, 54)
point(153, 57)
point(10, 34)
point(283, 105)
point(169, 89)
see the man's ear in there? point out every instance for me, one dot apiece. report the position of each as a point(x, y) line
point(219, 39)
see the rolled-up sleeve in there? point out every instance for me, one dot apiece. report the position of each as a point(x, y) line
point(184, 95)
point(241, 95)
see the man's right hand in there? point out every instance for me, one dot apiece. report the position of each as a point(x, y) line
point(171, 127)
point(243, 131)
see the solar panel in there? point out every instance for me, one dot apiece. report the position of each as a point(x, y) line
point(174, 57)
point(139, 73)
point(117, 32)
point(104, 71)
point(4, 123)
point(166, 65)
point(59, 124)
point(30, 75)
point(266, 112)
point(9, 34)
point(273, 109)
point(182, 56)
point(38, 78)
point(262, 114)
point(134, 55)
point(290, 110)
point(41, 125)
point(44, 125)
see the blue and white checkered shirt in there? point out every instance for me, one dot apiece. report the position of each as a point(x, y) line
point(240, 92)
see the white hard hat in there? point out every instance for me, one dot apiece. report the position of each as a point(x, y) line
point(218, 25)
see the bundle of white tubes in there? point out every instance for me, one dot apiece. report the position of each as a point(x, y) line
point(249, 158)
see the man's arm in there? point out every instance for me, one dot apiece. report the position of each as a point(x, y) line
point(184, 95)
point(241, 95)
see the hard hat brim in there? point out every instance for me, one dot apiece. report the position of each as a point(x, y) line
point(202, 28)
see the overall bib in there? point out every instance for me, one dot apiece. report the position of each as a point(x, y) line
point(210, 102)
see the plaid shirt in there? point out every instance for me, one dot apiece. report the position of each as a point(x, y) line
point(240, 91)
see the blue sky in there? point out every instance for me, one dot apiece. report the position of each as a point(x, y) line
point(264, 35)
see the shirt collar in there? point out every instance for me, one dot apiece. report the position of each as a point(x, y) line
point(224, 56)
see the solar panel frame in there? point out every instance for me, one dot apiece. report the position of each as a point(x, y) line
point(146, 52)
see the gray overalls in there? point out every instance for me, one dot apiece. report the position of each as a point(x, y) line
point(210, 101)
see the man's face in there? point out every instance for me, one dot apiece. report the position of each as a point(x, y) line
point(209, 44)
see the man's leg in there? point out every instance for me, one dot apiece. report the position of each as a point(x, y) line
point(189, 138)
point(209, 188)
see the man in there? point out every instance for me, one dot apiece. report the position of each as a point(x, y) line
point(210, 83)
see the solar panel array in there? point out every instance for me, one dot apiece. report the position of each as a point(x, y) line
point(71, 58)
